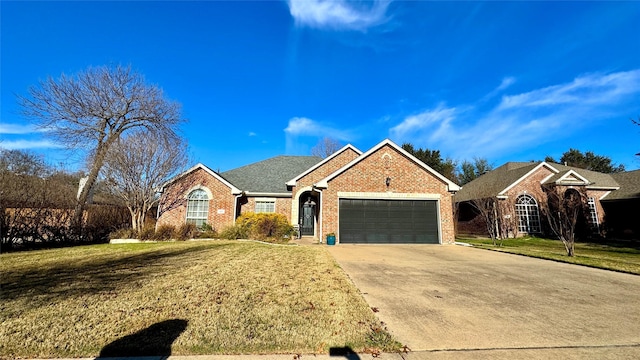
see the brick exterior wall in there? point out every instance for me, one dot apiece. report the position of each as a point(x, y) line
point(313, 177)
point(369, 176)
point(532, 186)
point(173, 202)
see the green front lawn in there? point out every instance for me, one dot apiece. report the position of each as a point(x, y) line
point(618, 256)
point(216, 297)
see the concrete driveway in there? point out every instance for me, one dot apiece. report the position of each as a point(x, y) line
point(449, 300)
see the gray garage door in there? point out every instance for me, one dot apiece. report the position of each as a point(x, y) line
point(388, 221)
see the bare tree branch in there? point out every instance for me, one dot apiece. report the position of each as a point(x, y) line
point(93, 108)
point(325, 147)
point(137, 165)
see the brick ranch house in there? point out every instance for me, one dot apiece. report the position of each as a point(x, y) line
point(520, 187)
point(384, 195)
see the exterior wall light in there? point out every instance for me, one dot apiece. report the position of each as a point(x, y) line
point(388, 181)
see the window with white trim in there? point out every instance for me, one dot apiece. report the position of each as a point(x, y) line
point(265, 205)
point(528, 215)
point(593, 213)
point(197, 207)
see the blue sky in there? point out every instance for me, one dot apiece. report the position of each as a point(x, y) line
point(509, 81)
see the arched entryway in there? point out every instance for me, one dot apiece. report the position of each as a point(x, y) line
point(308, 210)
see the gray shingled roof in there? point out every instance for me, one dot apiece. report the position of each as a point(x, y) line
point(271, 175)
point(493, 182)
point(629, 186)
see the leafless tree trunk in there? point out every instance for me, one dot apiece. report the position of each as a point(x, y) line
point(137, 165)
point(562, 210)
point(93, 108)
point(489, 211)
point(325, 147)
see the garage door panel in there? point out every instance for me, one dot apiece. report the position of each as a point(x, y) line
point(388, 221)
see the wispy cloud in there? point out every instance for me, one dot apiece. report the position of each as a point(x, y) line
point(18, 129)
point(251, 133)
point(339, 14)
point(520, 121)
point(29, 144)
point(304, 127)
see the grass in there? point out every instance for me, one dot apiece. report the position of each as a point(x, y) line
point(617, 256)
point(213, 297)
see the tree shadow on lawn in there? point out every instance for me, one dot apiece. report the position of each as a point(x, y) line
point(41, 286)
point(156, 340)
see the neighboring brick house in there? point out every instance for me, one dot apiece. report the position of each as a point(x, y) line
point(520, 190)
point(385, 195)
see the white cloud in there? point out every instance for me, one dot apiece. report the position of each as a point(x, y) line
point(17, 129)
point(251, 133)
point(339, 14)
point(588, 89)
point(520, 121)
point(304, 127)
point(29, 144)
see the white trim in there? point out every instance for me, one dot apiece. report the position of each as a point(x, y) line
point(267, 194)
point(610, 188)
point(451, 186)
point(581, 179)
point(605, 195)
point(527, 175)
point(234, 190)
point(293, 181)
point(295, 204)
point(547, 178)
point(199, 187)
point(387, 196)
point(502, 197)
point(272, 199)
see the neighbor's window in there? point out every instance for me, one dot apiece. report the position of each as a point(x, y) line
point(593, 213)
point(265, 205)
point(528, 215)
point(197, 207)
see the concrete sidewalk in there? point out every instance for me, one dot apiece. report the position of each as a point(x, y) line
point(607, 352)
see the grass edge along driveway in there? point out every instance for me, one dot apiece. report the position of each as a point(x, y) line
point(613, 255)
point(217, 297)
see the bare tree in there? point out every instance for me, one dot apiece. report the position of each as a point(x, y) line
point(137, 165)
point(93, 108)
point(488, 210)
point(562, 210)
point(325, 147)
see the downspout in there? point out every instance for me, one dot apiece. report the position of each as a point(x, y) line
point(235, 206)
point(158, 209)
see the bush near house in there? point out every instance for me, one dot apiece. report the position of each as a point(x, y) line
point(269, 227)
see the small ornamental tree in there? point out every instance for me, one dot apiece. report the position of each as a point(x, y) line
point(563, 209)
point(137, 165)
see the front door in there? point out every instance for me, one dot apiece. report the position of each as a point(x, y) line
point(307, 218)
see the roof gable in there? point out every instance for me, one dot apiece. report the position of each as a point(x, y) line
point(450, 185)
point(293, 181)
point(234, 190)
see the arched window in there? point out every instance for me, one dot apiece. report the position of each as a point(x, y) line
point(528, 215)
point(197, 207)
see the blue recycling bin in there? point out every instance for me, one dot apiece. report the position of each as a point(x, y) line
point(331, 239)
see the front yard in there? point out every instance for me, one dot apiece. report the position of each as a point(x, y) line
point(217, 297)
point(617, 256)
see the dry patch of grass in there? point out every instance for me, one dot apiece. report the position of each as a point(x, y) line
point(233, 297)
point(617, 256)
